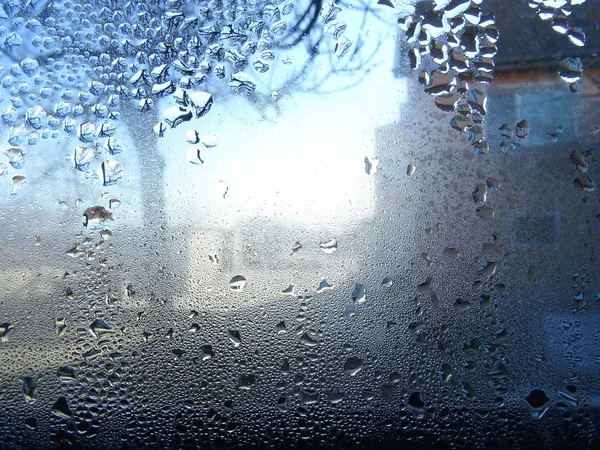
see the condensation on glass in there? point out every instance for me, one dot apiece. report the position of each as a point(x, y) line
point(298, 223)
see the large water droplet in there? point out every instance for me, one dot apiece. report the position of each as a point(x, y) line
point(238, 283)
point(329, 246)
point(30, 388)
point(97, 217)
point(99, 327)
point(61, 408)
point(538, 403)
point(353, 365)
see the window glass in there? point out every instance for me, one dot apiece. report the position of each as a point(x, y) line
point(281, 224)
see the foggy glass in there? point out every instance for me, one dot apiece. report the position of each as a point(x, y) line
point(299, 224)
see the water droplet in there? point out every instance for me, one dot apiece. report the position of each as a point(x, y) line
point(485, 212)
point(577, 36)
point(66, 374)
point(461, 123)
point(245, 382)
point(447, 102)
point(445, 372)
point(570, 69)
point(207, 352)
point(192, 137)
point(242, 82)
point(485, 302)
point(194, 156)
point(477, 99)
point(532, 273)
point(410, 170)
point(30, 388)
point(538, 403)
point(461, 305)
point(61, 325)
point(475, 134)
point(99, 328)
point(282, 404)
point(571, 395)
point(234, 337)
point(289, 290)
point(159, 129)
point(111, 172)
point(451, 253)
point(281, 327)
point(416, 404)
point(467, 390)
point(324, 285)
point(336, 396)
point(17, 183)
point(488, 269)
point(238, 283)
point(61, 408)
point(371, 165)
point(16, 157)
point(480, 194)
point(353, 365)
point(440, 83)
point(176, 115)
point(585, 183)
point(428, 288)
point(201, 102)
point(506, 131)
point(359, 293)
point(329, 246)
point(522, 129)
point(308, 341)
point(579, 159)
point(97, 217)
point(209, 140)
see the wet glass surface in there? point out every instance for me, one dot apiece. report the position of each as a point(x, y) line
point(278, 224)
